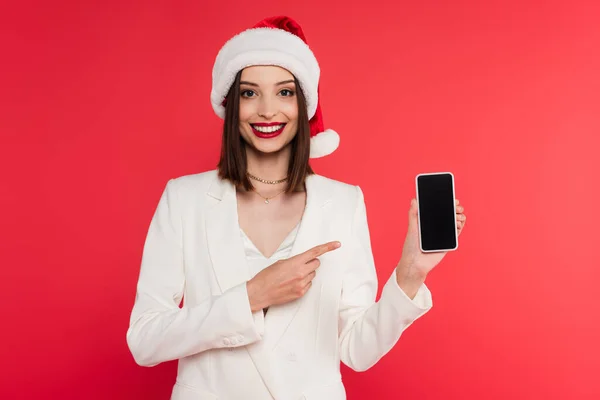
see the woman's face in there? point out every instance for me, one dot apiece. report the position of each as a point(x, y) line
point(268, 108)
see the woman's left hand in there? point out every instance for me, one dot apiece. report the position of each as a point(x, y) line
point(414, 264)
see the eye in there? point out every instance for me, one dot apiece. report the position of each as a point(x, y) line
point(247, 93)
point(287, 93)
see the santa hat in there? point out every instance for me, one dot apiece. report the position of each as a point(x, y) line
point(275, 41)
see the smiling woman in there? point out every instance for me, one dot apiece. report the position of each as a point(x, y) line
point(272, 300)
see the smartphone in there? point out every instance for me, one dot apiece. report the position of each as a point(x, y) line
point(437, 212)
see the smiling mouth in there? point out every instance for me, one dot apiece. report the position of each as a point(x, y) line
point(263, 128)
point(267, 131)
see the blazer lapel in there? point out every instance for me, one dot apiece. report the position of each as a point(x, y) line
point(225, 245)
point(279, 317)
point(226, 250)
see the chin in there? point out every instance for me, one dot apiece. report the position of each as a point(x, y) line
point(269, 146)
point(268, 149)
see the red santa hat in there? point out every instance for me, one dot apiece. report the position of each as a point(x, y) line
point(275, 41)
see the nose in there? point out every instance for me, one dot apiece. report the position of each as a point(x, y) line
point(267, 108)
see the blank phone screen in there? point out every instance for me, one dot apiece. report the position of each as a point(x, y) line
point(437, 216)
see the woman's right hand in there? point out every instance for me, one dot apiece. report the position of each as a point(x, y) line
point(286, 280)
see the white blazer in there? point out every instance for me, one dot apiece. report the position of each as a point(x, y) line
point(194, 251)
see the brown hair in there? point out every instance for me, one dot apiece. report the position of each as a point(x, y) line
point(233, 162)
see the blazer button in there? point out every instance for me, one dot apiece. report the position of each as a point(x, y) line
point(226, 342)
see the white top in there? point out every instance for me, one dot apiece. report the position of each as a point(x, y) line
point(257, 261)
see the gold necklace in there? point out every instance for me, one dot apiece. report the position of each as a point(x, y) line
point(268, 198)
point(266, 181)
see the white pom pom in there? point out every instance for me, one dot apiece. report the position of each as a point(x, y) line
point(324, 143)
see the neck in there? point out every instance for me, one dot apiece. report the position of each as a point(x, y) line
point(269, 166)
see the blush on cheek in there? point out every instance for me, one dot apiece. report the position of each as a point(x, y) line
point(246, 111)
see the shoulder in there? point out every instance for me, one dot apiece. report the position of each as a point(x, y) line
point(193, 183)
point(195, 180)
point(333, 183)
point(339, 190)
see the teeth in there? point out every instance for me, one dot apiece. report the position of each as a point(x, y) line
point(268, 129)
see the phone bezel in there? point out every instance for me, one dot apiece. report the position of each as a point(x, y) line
point(419, 215)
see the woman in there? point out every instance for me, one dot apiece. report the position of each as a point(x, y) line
point(274, 262)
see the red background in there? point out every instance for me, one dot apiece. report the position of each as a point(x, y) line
point(103, 102)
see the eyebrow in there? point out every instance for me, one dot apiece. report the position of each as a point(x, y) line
point(277, 84)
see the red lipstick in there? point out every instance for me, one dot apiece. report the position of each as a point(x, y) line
point(267, 135)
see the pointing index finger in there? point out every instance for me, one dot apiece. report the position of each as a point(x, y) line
point(318, 251)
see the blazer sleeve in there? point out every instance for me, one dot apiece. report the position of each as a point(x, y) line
point(369, 329)
point(159, 330)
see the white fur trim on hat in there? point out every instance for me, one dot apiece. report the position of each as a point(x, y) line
point(265, 46)
point(324, 143)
